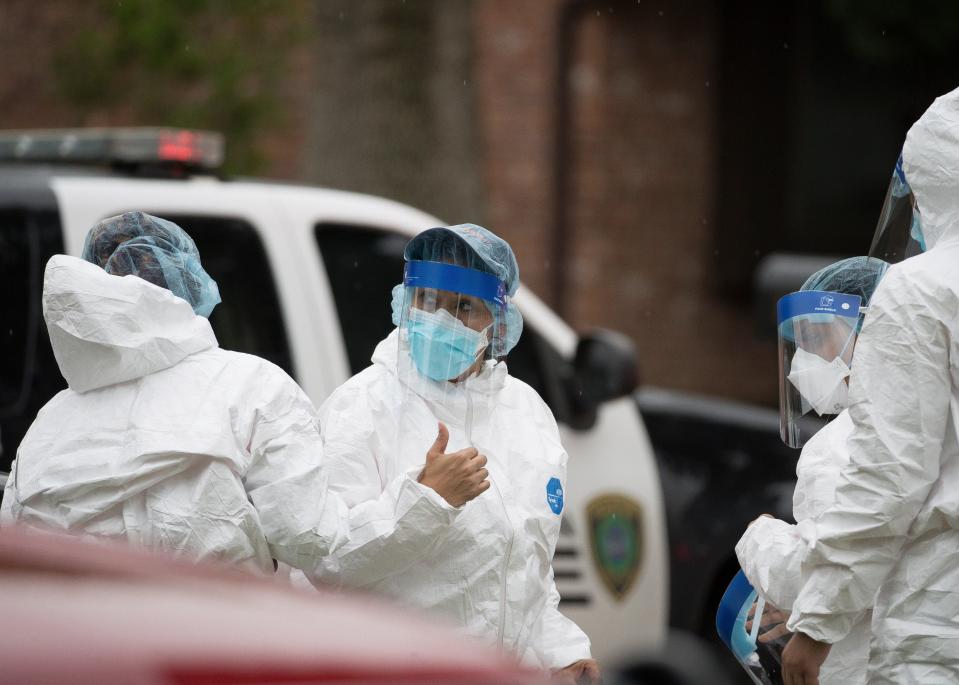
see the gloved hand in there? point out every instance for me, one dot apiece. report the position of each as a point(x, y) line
point(457, 477)
point(582, 672)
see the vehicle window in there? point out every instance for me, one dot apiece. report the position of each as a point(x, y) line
point(363, 265)
point(29, 375)
point(249, 319)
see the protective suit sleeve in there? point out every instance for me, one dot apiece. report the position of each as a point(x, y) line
point(392, 526)
point(899, 405)
point(301, 520)
point(558, 641)
point(770, 553)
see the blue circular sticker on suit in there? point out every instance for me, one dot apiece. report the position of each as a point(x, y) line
point(554, 495)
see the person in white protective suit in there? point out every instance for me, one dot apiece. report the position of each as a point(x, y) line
point(770, 552)
point(438, 383)
point(894, 526)
point(163, 439)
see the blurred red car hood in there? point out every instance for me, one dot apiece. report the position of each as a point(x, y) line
point(93, 612)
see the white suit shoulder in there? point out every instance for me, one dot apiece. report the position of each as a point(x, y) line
point(258, 382)
point(358, 397)
point(916, 279)
point(358, 385)
point(520, 396)
point(242, 365)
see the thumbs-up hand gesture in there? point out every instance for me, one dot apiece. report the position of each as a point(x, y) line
point(457, 477)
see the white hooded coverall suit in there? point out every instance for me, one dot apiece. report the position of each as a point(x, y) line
point(166, 441)
point(490, 571)
point(894, 527)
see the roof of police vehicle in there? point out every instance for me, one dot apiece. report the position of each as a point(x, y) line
point(30, 183)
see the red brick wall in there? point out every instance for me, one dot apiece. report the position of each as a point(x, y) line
point(515, 70)
point(639, 202)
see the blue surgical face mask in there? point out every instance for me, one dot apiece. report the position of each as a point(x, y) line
point(442, 347)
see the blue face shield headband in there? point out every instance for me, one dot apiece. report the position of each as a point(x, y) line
point(818, 306)
point(457, 279)
point(443, 347)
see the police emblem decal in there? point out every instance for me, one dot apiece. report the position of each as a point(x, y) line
point(615, 531)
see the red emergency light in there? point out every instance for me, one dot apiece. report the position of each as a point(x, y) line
point(179, 146)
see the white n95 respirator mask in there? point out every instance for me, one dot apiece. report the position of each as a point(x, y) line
point(821, 383)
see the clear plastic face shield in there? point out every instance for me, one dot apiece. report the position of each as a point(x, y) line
point(451, 332)
point(817, 336)
point(899, 231)
point(757, 644)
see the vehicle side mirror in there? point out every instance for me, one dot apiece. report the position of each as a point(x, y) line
point(605, 368)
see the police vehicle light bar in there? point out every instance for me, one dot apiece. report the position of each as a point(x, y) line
point(202, 149)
